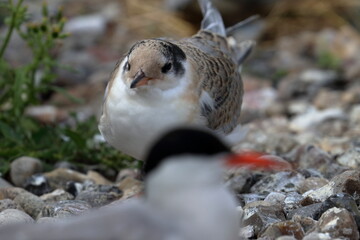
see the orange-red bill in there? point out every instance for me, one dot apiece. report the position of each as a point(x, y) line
point(255, 160)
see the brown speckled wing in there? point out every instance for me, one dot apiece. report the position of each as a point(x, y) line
point(218, 75)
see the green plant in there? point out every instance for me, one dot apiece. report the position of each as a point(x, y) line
point(328, 60)
point(23, 86)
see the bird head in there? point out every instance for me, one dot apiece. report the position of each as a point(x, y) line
point(153, 62)
point(194, 157)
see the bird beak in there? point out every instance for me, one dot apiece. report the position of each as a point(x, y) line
point(139, 80)
point(254, 160)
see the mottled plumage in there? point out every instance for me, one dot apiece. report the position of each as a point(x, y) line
point(163, 83)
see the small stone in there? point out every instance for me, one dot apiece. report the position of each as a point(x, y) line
point(59, 177)
point(307, 223)
point(275, 197)
point(46, 113)
point(278, 229)
point(351, 158)
point(100, 195)
point(37, 184)
point(127, 172)
point(311, 183)
point(65, 209)
point(261, 214)
point(14, 216)
point(355, 114)
point(346, 182)
point(328, 99)
point(4, 183)
point(10, 192)
point(314, 117)
point(130, 187)
point(22, 168)
point(97, 178)
point(311, 211)
point(56, 196)
point(31, 203)
point(339, 223)
point(278, 182)
point(247, 198)
point(292, 201)
point(9, 204)
point(318, 236)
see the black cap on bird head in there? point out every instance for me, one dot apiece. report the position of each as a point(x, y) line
point(183, 141)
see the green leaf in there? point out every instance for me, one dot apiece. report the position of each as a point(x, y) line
point(9, 133)
point(78, 139)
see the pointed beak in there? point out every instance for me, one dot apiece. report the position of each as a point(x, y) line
point(254, 160)
point(139, 80)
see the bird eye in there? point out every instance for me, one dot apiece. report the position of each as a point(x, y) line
point(166, 68)
point(127, 66)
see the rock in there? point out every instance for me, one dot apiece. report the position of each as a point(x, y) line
point(311, 183)
point(127, 172)
point(9, 204)
point(97, 178)
point(64, 209)
point(278, 229)
point(240, 180)
point(247, 198)
point(355, 114)
point(10, 192)
point(307, 223)
point(347, 182)
point(46, 113)
point(328, 99)
point(311, 157)
point(261, 214)
point(4, 183)
point(14, 216)
point(313, 118)
point(37, 184)
point(311, 211)
point(22, 168)
point(31, 203)
point(292, 201)
point(350, 158)
point(130, 187)
point(59, 177)
point(318, 236)
point(56, 196)
point(278, 182)
point(338, 223)
point(275, 197)
point(99, 195)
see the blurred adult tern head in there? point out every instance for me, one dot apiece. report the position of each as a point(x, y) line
point(185, 197)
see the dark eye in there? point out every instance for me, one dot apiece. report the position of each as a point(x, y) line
point(127, 66)
point(166, 68)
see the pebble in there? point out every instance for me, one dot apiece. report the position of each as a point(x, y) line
point(278, 182)
point(350, 158)
point(261, 214)
point(59, 177)
point(279, 229)
point(311, 183)
point(64, 209)
point(130, 187)
point(4, 183)
point(338, 223)
point(100, 198)
point(9, 204)
point(97, 177)
point(22, 168)
point(56, 196)
point(14, 216)
point(31, 203)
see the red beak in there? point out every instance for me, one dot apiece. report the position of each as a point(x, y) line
point(254, 160)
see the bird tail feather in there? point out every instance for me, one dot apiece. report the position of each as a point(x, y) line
point(212, 20)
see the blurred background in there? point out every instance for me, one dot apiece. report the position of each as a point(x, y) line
point(307, 58)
